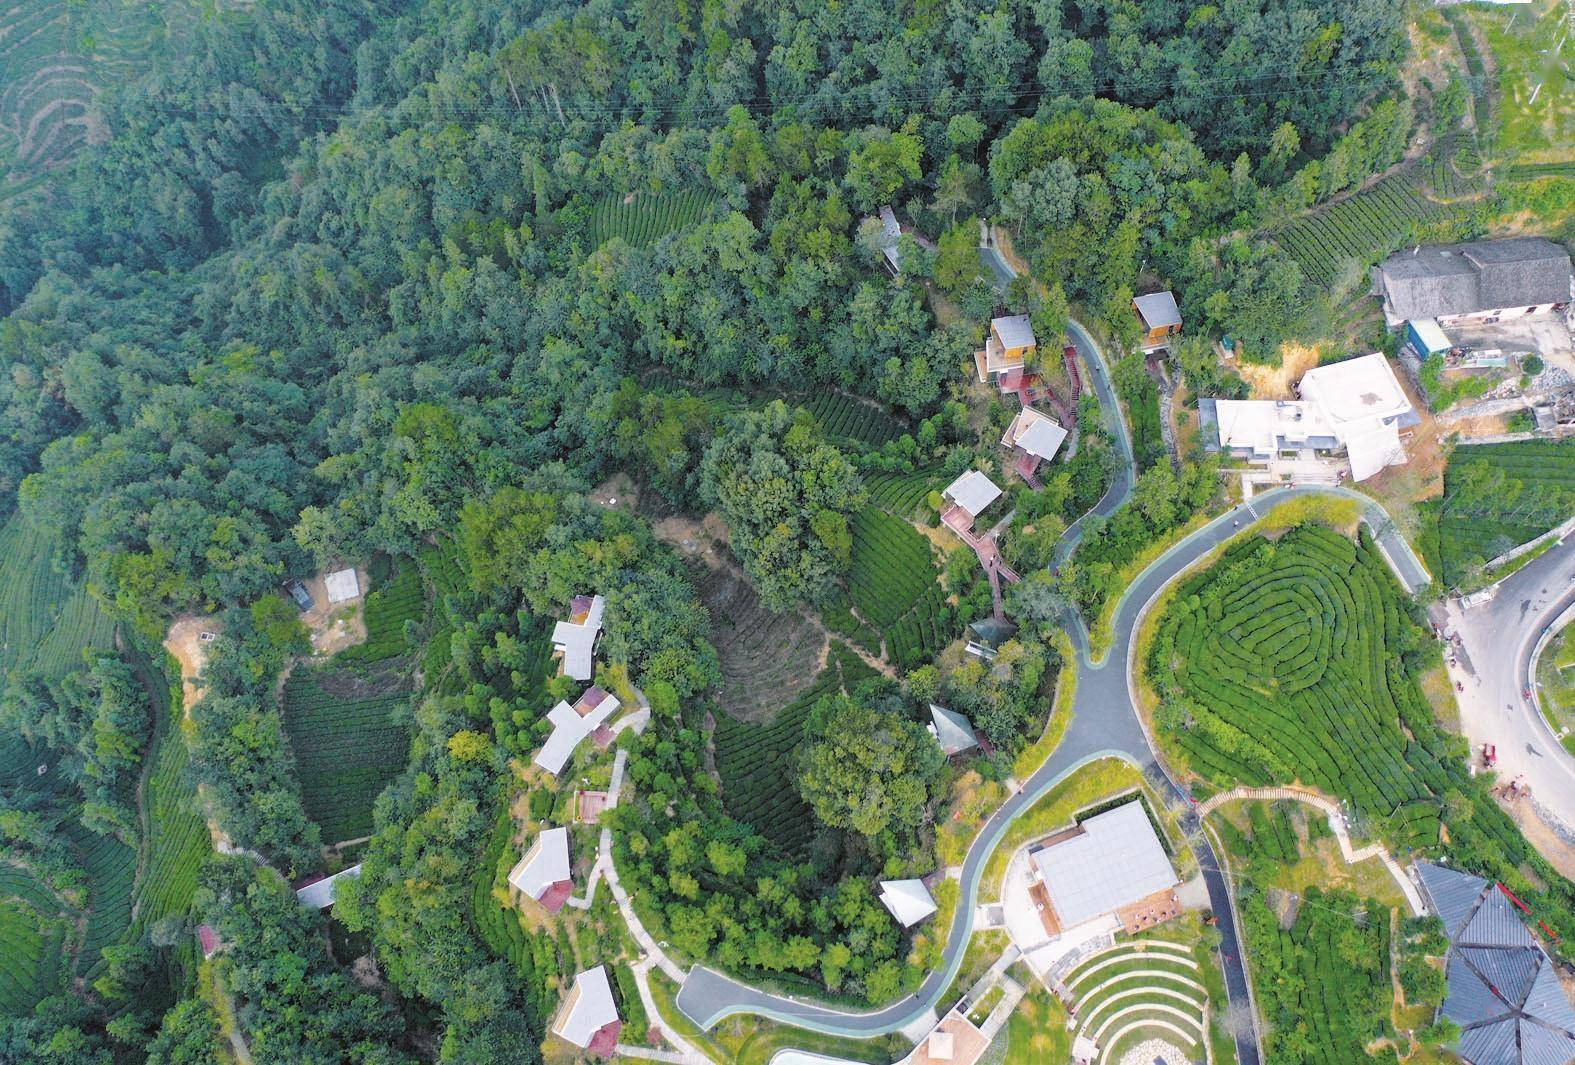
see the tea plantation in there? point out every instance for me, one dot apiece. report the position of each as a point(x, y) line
point(348, 746)
point(647, 217)
point(1293, 661)
point(893, 585)
point(1498, 496)
point(757, 762)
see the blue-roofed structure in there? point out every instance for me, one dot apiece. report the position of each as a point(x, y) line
point(1503, 990)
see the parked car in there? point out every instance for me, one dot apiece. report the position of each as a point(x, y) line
point(298, 592)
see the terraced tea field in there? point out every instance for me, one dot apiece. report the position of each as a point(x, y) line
point(894, 585)
point(46, 620)
point(55, 56)
point(348, 743)
point(396, 596)
point(1498, 496)
point(842, 417)
point(647, 217)
point(1276, 663)
point(767, 659)
point(757, 762)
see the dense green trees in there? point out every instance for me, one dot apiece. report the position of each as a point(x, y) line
point(786, 496)
point(292, 1004)
point(100, 715)
point(237, 740)
point(869, 768)
point(330, 283)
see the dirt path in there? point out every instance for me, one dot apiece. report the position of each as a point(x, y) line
point(185, 642)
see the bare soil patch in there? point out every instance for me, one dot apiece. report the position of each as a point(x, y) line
point(1275, 382)
point(1559, 853)
point(617, 492)
point(333, 627)
point(185, 642)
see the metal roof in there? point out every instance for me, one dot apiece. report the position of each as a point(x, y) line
point(342, 586)
point(577, 640)
point(320, 894)
point(589, 1008)
point(545, 864)
point(1546, 1001)
point(1453, 894)
point(1115, 860)
point(973, 491)
point(908, 900)
point(1159, 310)
point(1014, 330)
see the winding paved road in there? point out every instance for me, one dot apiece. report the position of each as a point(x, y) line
point(1105, 724)
point(1497, 639)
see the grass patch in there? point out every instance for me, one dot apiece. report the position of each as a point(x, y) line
point(1037, 1031)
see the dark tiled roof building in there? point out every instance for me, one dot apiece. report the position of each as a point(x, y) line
point(1503, 990)
point(1484, 278)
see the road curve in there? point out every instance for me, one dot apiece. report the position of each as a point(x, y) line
point(1105, 724)
point(1498, 638)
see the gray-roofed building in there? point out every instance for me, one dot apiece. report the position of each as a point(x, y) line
point(908, 900)
point(574, 640)
point(1160, 316)
point(951, 730)
point(1503, 990)
point(1482, 279)
point(1111, 861)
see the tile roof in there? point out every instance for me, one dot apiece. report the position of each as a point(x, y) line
point(1436, 281)
point(1453, 894)
point(1495, 924)
point(1503, 990)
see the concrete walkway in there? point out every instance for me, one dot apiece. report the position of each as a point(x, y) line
point(1337, 824)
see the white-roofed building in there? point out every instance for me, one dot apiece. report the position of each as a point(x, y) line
point(571, 724)
point(972, 493)
point(342, 586)
point(1110, 863)
point(544, 872)
point(574, 640)
point(951, 730)
point(1357, 405)
point(588, 1017)
point(319, 894)
point(1035, 434)
point(908, 900)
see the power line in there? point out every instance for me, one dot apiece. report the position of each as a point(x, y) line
point(908, 101)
